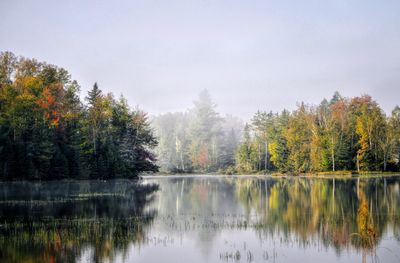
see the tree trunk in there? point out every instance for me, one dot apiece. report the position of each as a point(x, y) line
point(333, 155)
point(384, 161)
point(259, 157)
point(333, 194)
point(182, 163)
point(266, 156)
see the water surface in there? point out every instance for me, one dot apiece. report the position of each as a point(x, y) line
point(202, 219)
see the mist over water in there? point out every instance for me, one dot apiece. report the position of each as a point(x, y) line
point(202, 219)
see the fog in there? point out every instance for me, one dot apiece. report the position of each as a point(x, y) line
point(249, 55)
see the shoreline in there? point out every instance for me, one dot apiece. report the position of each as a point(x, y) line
point(322, 175)
point(280, 175)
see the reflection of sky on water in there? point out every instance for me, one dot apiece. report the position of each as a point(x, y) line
point(265, 219)
point(202, 219)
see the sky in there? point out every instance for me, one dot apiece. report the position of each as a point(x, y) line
point(251, 55)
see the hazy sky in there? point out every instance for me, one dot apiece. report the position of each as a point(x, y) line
point(249, 54)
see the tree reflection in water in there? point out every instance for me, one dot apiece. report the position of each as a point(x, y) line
point(352, 215)
point(210, 216)
point(60, 221)
point(338, 213)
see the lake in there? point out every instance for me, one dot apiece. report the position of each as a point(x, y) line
point(201, 219)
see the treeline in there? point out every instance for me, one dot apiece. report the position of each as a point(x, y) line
point(198, 140)
point(340, 134)
point(47, 132)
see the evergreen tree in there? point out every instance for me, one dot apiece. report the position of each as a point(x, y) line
point(47, 133)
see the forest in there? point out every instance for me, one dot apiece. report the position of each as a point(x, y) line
point(342, 134)
point(47, 132)
point(197, 140)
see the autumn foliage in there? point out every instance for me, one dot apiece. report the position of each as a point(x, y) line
point(341, 134)
point(47, 132)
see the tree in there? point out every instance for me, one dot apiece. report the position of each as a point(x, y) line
point(278, 146)
point(206, 133)
point(262, 124)
point(395, 125)
point(298, 136)
point(7, 66)
point(389, 138)
point(47, 133)
point(368, 123)
point(172, 131)
point(246, 157)
point(340, 134)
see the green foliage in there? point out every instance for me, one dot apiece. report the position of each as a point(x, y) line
point(340, 134)
point(47, 133)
